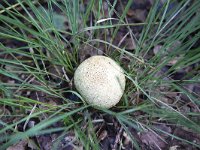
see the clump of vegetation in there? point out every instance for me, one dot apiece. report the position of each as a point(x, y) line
point(43, 42)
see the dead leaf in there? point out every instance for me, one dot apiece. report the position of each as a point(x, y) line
point(164, 128)
point(152, 140)
point(127, 138)
point(130, 44)
point(156, 49)
point(174, 46)
point(174, 147)
point(173, 61)
point(125, 42)
point(103, 135)
point(130, 12)
point(19, 146)
point(56, 71)
point(32, 144)
point(186, 134)
point(139, 14)
point(87, 51)
point(45, 142)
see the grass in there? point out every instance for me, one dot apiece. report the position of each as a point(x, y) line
point(45, 44)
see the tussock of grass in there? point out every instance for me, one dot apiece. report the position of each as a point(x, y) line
point(43, 46)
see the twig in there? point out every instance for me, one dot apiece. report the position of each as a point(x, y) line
point(117, 139)
point(14, 6)
point(11, 7)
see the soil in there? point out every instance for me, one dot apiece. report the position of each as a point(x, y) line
point(109, 132)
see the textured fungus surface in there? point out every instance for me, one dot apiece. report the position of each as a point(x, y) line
point(100, 80)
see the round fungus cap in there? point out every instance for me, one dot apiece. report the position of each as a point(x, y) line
point(100, 81)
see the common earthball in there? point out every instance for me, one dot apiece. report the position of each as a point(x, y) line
point(100, 81)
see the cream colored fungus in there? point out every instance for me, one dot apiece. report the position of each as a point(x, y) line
point(100, 81)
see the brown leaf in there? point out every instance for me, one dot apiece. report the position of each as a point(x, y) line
point(174, 46)
point(45, 142)
point(19, 146)
point(127, 138)
point(103, 135)
point(152, 140)
point(130, 12)
point(130, 44)
point(88, 51)
point(186, 134)
point(156, 49)
point(139, 14)
point(164, 128)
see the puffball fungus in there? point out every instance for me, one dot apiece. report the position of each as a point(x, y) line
point(100, 81)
